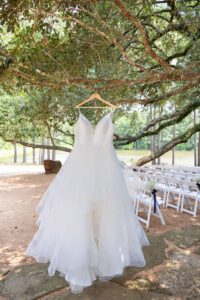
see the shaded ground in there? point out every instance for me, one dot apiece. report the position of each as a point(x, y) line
point(173, 259)
point(172, 272)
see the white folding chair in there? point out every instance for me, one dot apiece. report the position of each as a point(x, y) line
point(174, 193)
point(190, 194)
point(161, 186)
point(133, 182)
point(145, 202)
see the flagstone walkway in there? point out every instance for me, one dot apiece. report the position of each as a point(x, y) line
point(172, 272)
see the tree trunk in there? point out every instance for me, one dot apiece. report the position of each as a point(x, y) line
point(153, 148)
point(135, 145)
point(150, 118)
point(195, 142)
point(158, 147)
point(152, 137)
point(199, 149)
point(169, 120)
point(15, 153)
point(33, 151)
point(53, 154)
point(24, 154)
point(54, 151)
point(158, 139)
point(39, 156)
point(173, 150)
point(183, 138)
point(48, 150)
point(42, 151)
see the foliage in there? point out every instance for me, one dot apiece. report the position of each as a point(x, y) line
point(142, 57)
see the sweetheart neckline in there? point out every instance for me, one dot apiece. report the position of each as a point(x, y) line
point(93, 128)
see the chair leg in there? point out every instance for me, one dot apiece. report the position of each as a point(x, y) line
point(195, 207)
point(137, 207)
point(179, 202)
point(160, 215)
point(134, 204)
point(164, 197)
point(182, 203)
point(149, 216)
point(167, 199)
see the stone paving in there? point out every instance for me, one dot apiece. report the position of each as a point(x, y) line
point(172, 272)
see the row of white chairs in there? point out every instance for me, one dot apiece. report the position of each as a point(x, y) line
point(178, 192)
point(170, 174)
point(166, 166)
point(183, 195)
point(162, 169)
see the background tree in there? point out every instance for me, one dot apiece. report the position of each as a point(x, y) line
point(60, 52)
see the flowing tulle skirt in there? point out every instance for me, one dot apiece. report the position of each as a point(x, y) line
point(87, 227)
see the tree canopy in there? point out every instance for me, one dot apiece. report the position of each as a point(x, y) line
point(136, 54)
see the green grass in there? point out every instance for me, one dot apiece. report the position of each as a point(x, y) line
point(7, 155)
point(185, 158)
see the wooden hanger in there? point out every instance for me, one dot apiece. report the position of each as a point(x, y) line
point(92, 97)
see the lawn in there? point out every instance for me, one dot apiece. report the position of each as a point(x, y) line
point(185, 158)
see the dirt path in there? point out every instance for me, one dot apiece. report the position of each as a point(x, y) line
point(8, 170)
point(19, 196)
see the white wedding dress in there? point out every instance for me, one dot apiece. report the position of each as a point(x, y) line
point(87, 227)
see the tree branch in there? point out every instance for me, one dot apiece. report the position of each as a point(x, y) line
point(111, 39)
point(183, 138)
point(174, 118)
point(154, 100)
point(39, 146)
point(50, 135)
point(144, 37)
